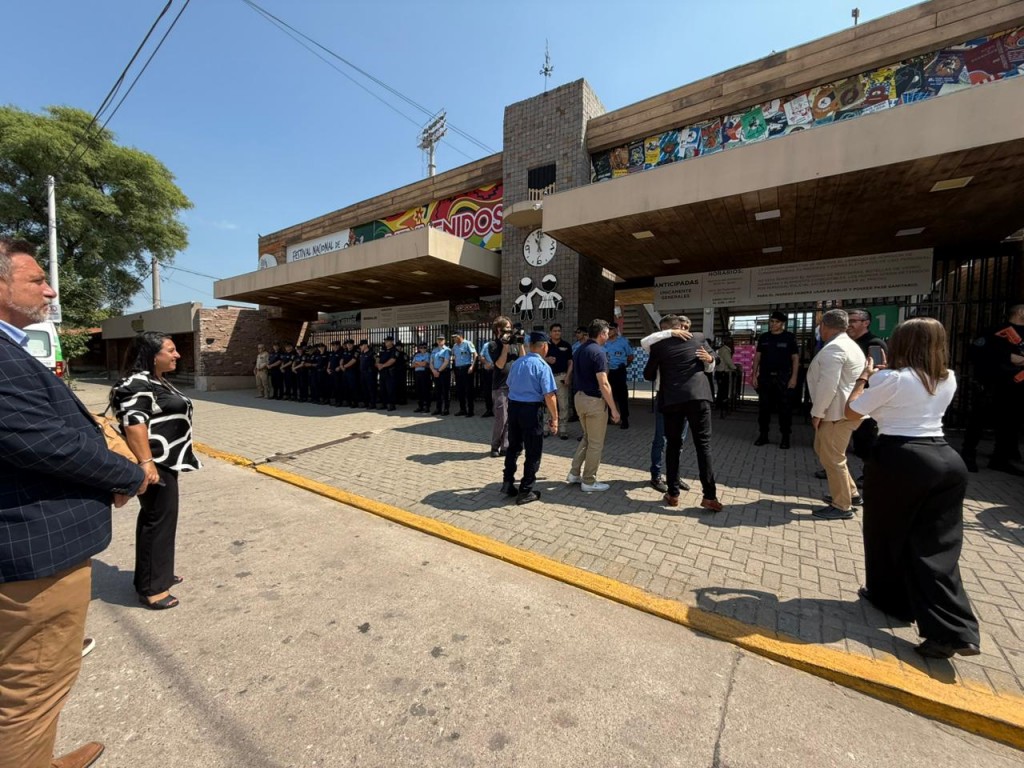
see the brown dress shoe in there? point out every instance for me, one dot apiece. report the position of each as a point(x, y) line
point(712, 504)
point(84, 756)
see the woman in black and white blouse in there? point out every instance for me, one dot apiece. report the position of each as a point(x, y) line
point(156, 419)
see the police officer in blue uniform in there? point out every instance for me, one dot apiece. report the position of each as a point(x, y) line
point(441, 371)
point(421, 377)
point(531, 391)
point(350, 373)
point(276, 374)
point(288, 360)
point(334, 374)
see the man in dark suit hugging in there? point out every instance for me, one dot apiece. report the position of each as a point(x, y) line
point(57, 482)
point(679, 358)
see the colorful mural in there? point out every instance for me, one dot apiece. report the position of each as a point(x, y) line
point(951, 69)
point(474, 216)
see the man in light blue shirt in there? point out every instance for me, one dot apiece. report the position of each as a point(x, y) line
point(464, 359)
point(421, 377)
point(531, 388)
point(486, 368)
point(441, 371)
point(620, 355)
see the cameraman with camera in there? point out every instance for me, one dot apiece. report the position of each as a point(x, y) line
point(503, 350)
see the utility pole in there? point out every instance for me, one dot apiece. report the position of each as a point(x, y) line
point(156, 283)
point(430, 137)
point(51, 229)
point(855, 13)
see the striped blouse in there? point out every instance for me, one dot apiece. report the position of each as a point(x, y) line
point(143, 399)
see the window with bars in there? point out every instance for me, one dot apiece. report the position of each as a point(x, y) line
point(540, 181)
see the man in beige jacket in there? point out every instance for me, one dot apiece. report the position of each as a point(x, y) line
point(830, 379)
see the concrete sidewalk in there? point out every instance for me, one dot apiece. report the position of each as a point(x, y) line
point(313, 634)
point(764, 561)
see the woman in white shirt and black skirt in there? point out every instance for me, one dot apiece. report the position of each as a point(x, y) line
point(914, 486)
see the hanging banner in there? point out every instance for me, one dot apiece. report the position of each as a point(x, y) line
point(321, 245)
point(901, 273)
point(432, 313)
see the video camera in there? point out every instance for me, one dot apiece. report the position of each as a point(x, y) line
point(518, 335)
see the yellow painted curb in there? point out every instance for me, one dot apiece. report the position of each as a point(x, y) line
point(998, 717)
point(228, 457)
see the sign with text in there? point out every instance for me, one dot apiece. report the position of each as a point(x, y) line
point(326, 244)
point(900, 273)
point(432, 313)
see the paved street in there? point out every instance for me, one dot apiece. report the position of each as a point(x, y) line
point(764, 561)
point(314, 634)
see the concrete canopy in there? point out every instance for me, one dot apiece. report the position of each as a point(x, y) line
point(845, 189)
point(411, 267)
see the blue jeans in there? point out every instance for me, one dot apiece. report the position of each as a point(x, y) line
point(658, 444)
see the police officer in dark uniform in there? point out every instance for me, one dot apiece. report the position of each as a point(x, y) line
point(367, 375)
point(997, 363)
point(775, 372)
point(350, 373)
point(387, 359)
point(289, 358)
point(301, 373)
point(401, 374)
point(276, 374)
point(323, 379)
point(334, 380)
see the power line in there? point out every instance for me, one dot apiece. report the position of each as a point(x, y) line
point(200, 291)
point(182, 269)
point(139, 75)
point(116, 86)
point(430, 113)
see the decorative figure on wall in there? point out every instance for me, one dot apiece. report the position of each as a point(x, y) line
point(524, 304)
point(550, 299)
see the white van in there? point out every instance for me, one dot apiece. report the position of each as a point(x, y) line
point(44, 346)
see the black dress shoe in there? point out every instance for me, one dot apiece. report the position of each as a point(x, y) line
point(821, 474)
point(494, 454)
point(865, 595)
point(526, 498)
point(658, 483)
point(509, 489)
point(761, 440)
point(683, 485)
point(932, 649)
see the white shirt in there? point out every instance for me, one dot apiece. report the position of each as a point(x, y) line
point(901, 405)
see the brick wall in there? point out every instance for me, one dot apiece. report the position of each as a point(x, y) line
point(226, 338)
point(544, 129)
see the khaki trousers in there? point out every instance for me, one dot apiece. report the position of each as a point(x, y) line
point(263, 383)
point(562, 397)
point(593, 415)
point(830, 441)
point(42, 624)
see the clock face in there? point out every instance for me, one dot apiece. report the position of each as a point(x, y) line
point(539, 248)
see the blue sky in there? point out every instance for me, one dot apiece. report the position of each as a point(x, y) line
point(261, 135)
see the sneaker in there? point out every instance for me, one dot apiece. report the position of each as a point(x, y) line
point(659, 484)
point(713, 505)
point(833, 513)
point(87, 646)
point(857, 499)
point(494, 454)
point(573, 479)
point(594, 487)
point(761, 440)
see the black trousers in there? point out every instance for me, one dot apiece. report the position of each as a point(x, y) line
point(442, 390)
point(277, 383)
point(302, 384)
point(464, 388)
point(620, 391)
point(351, 386)
point(368, 388)
point(913, 533)
point(697, 413)
point(388, 387)
point(291, 391)
point(422, 389)
point(525, 430)
point(864, 439)
point(337, 387)
point(323, 385)
point(1002, 408)
point(774, 396)
point(155, 530)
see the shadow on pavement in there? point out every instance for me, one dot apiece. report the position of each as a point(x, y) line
point(112, 585)
point(1003, 523)
point(817, 621)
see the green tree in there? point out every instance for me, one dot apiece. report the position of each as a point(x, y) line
point(116, 207)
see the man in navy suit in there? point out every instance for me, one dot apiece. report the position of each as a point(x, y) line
point(684, 394)
point(57, 482)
